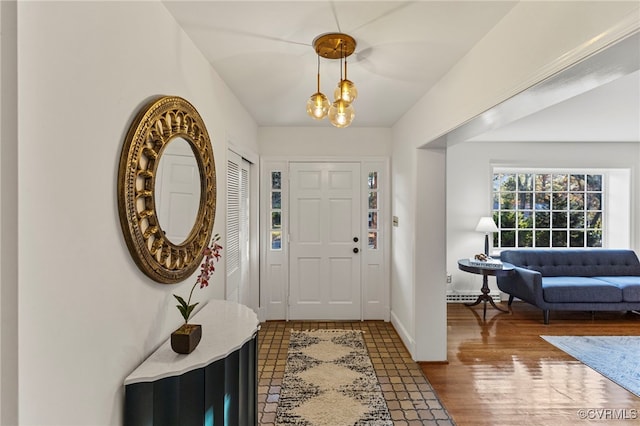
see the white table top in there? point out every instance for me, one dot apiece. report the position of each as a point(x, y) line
point(226, 326)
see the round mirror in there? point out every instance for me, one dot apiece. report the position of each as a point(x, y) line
point(177, 190)
point(160, 124)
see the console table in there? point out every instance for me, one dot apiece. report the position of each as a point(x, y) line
point(216, 384)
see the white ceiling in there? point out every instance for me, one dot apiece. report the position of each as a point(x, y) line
point(262, 50)
point(610, 112)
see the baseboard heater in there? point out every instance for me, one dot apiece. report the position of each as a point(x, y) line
point(466, 298)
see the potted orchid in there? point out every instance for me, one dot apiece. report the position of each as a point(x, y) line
point(185, 339)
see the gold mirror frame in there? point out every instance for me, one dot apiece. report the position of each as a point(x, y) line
point(156, 124)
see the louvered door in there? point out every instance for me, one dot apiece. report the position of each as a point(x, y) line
point(237, 242)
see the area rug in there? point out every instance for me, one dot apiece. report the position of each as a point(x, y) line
point(615, 357)
point(329, 381)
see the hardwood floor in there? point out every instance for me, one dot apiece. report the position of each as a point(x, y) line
point(501, 372)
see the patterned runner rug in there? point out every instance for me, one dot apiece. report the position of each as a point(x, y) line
point(329, 381)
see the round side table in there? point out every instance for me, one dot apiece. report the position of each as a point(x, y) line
point(465, 265)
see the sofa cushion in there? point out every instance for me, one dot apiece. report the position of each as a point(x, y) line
point(579, 290)
point(579, 262)
point(630, 286)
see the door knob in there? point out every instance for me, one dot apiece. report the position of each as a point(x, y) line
point(355, 239)
point(355, 250)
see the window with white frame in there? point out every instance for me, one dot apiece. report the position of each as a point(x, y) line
point(275, 210)
point(548, 209)
point(373, 211)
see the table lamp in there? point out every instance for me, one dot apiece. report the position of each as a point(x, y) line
point(486, 225)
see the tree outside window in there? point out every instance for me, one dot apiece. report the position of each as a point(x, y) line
point(547, 209)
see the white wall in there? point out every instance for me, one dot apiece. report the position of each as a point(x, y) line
point(278, 145)
point(532, 42)
point(87, 315)
point(403, 192)
point(324, 141)
point(430, 252)
point(8, 215)
point(470, 198)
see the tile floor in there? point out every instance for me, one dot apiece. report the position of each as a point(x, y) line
point(409, 395)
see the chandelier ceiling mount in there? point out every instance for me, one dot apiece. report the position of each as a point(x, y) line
point(334, 45)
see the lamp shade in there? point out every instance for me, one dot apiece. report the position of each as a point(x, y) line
point(486, 225)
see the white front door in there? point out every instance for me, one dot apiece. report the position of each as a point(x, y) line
point(325, 240)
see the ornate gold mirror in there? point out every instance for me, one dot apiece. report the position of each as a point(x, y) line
point(163, 121)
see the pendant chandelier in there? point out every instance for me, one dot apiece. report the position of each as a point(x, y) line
point(340, 112)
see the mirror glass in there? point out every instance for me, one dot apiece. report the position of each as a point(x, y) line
point(177, 190)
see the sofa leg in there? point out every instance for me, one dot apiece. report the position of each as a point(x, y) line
point(546, 316)
point(510, 300)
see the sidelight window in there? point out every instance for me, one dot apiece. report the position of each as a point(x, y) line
point(373, 211)
point(276, 211)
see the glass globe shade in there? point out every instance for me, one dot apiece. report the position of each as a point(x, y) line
point(346, 90)
point(341, 113)
point(318, 106)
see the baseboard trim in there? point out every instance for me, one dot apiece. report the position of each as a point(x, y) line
point(406, 338)
point(262, 314)
point(433, 362)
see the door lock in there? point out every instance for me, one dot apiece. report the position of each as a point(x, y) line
point(355, 250)
point(355, 239)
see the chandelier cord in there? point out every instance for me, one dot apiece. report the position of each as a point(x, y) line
point(345, 68)
point(318, 73)
point(341, 59)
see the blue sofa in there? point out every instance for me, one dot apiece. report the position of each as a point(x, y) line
point(573, 279)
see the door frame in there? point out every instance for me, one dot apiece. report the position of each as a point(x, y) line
point(274, 264)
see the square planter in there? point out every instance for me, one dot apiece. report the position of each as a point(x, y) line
point(185, 339)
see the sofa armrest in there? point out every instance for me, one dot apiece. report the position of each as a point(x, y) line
point(524, 284)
